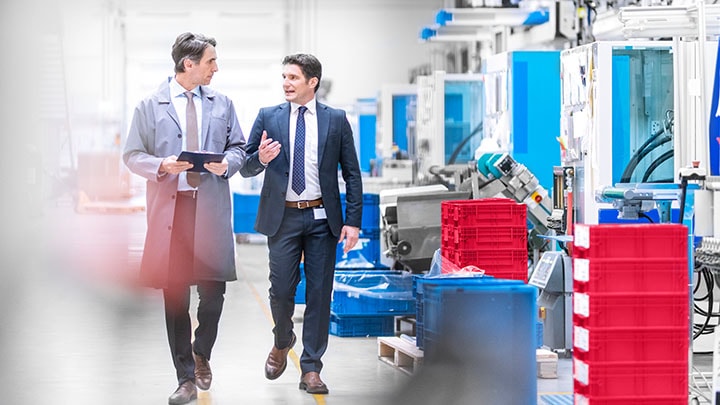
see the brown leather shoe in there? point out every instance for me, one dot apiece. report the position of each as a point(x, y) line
point(312, 384)
point(203, 374)
point(185, 393)
point(277, 360)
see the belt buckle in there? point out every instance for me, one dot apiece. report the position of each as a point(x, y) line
point(299, 205)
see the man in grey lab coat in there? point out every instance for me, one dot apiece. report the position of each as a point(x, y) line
point(189, 238)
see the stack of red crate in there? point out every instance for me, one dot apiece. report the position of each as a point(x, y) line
point(630, 314)
point(488, 233)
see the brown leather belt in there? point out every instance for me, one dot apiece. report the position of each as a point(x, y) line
point(301, 205)
point(188, 193)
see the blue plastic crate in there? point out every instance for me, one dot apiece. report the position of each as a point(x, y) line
point(489, 330)
point(362, 326)
point(370, 211)
point(539, 335)
point(372, 292)
point(365, 254)
point(245, 208)
point(443, 279)
point(300, 291)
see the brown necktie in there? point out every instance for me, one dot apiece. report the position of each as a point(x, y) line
point(193, 178)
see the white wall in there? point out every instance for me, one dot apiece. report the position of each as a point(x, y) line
point(364, 44)
point(117, 51)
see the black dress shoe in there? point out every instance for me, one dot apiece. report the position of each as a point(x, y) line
point(203, 374)
point(312, 384)
point(276, 362)
point(185, 393)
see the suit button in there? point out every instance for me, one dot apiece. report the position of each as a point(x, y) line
point(169, 228)
point(179, 136)
point(173, 196)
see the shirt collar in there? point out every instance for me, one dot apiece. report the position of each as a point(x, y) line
point(311, 106)
point(176, 90)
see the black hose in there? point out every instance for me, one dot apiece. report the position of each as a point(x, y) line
point(462, 143)
point(640, 154)
point(642, 147)
point(705, 328)
point(683, 191)
point(434, 170)
point(644, 215)
point(655, 164)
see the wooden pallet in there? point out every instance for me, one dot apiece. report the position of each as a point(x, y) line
point(400, 353)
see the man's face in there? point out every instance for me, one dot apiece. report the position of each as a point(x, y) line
point(297, 88)
point(201, 73)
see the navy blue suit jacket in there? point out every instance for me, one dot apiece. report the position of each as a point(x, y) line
point(335, 147)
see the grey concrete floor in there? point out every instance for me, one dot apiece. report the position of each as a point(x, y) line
point(77, 330)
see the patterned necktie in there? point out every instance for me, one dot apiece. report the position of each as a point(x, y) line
point(193, 178)
point(298, 180)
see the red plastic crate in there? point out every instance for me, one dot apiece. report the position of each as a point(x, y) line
point(582, 399)
point(624, 241)
point(630, 275)
point(628, 379)
point(502, 212)
point(630, 310)
point(631, 344)
point(491, 259)
point(485, 237)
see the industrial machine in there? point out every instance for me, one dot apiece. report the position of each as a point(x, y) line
point(396, 154)
point(616, 120)
point(411, 217)
point(411, 221)
point(553, 277)
point(522, 93)
point(449, 122)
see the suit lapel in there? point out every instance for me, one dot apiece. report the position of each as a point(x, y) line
point(283, 121)
point(323, 121)
point(163, 97)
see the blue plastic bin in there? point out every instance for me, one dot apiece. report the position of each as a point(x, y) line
point(372, 292)
point(353, 326)
point(370, 211)
point(245, 208)
point(488, 330)
point(442, 279)
point(365, 254)
point(301, 287)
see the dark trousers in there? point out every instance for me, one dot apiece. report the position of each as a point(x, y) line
point(301, 234)
point(177, 297)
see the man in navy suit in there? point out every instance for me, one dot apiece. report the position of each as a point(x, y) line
point(300, 144)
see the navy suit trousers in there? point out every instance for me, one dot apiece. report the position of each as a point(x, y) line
point(302, 236)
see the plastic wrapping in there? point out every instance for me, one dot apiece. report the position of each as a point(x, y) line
point(444, 267)
point(376, 284)
point(372, 292)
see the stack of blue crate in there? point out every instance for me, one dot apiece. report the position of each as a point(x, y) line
point(244, 212)
point(365, 303)
point(366, 254)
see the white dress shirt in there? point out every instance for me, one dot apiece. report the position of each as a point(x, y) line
point(312, 179)
point(179, 102)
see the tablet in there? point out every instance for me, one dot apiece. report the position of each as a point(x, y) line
point(198, 159)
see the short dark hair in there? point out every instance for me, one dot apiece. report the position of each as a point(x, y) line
point(189, 46)
point(309, 65)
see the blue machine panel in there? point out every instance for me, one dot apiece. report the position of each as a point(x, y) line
point(400, 118)
point(536, 112)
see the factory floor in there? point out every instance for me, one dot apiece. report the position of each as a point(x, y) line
point(76, 330)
